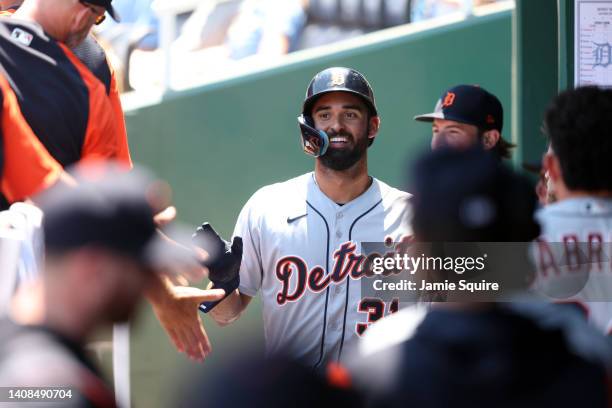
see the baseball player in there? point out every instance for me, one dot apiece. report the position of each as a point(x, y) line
point(465, 115)
point(78, 122)
point(573, 256)
point(302, 238)
point(91, 53)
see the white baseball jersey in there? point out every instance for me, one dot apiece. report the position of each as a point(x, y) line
point(573, 256)
point(303, 252)
point(21, 248)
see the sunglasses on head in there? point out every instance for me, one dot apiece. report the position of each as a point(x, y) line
point(100, 18)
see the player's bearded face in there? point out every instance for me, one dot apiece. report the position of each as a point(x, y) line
point(456, 135)
point(342, 158)
point(345, 119)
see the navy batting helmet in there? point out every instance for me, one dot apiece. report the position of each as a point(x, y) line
point(336, 79)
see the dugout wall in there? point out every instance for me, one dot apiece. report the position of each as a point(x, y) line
point(217, 144)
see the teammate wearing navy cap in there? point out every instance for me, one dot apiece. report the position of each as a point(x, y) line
point(465, 115)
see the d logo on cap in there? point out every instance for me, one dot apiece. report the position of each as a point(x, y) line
point(449, 99)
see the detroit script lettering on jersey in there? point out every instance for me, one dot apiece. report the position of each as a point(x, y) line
point(304, 254)
point(347, 264)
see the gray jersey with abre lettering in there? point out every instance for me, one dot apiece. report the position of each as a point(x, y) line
point(303, 252)
point(573, 256)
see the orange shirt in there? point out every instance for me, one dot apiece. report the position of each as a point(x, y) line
point(27, 167)
point(85, 120)
point(93, 56)
point(103, 138)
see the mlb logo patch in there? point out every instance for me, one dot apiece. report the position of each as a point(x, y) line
point(22, 36)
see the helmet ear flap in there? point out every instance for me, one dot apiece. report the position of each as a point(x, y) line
point(314, 141)
point(306, 120)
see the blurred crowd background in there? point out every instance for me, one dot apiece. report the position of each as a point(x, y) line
point(204, 39)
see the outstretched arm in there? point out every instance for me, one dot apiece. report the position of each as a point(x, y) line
point(176, 308)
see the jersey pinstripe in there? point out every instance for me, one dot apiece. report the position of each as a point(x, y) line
point(299, 247)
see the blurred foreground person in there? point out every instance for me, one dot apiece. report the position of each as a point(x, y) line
point(274, 382)
point(102, 250)
point(489, 354)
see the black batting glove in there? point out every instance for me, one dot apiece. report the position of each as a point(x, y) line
point(224, 262)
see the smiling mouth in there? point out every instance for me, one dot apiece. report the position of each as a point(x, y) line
point(338, 140)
